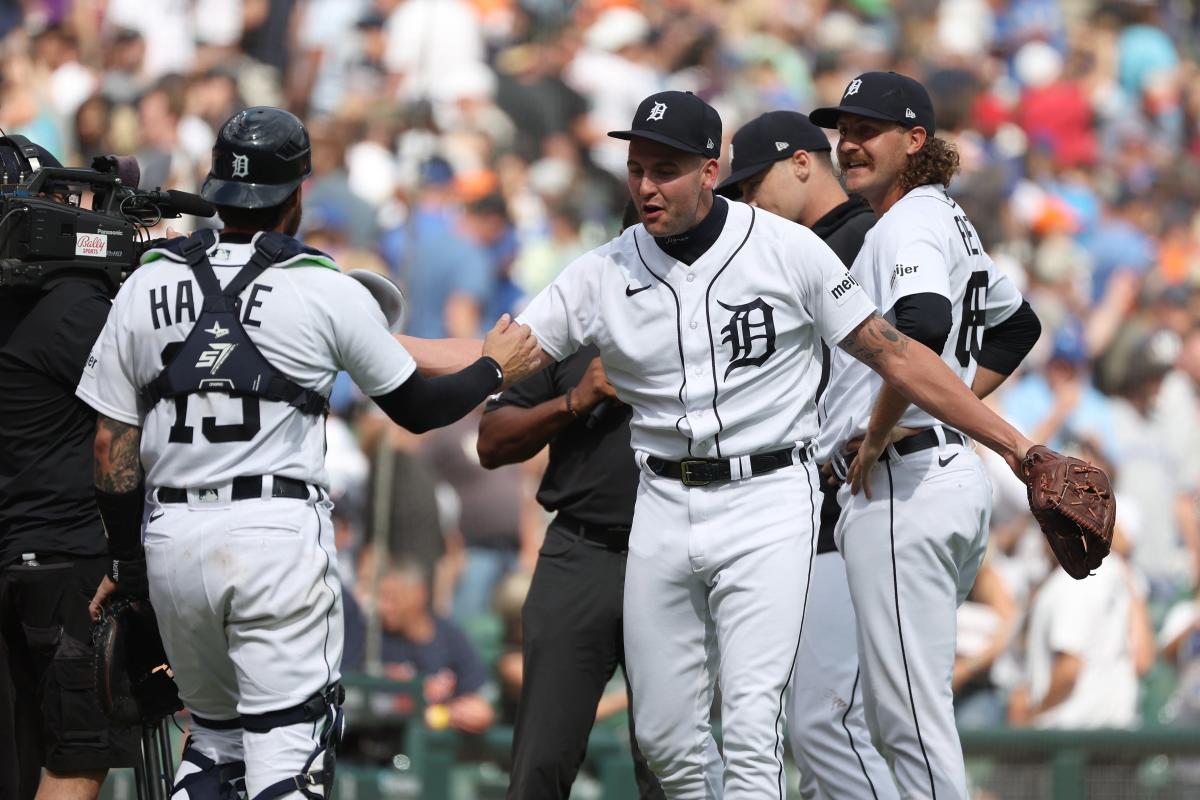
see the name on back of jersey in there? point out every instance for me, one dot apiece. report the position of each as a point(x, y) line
point(164, 312)
point(843, 288)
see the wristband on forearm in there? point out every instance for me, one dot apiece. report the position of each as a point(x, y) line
point(122, 517)
point(496, 366)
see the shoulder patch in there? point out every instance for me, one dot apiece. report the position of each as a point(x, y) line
point(903, 271)
point(843, 287)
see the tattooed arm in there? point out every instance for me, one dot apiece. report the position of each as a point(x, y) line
point(118, 463)
point(922, 378)
point(120, 496)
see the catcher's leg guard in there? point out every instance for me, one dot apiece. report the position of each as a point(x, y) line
point(315, 779)
point(211, 781)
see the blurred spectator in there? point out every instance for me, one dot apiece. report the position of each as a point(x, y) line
point(418, 644)
point(613, 70)
point(987, 621)
point(56, 50)
point(1059, 404)
point(488, 224)
point(446, 276)
point(498, 528)
point(429, 41)
point(1080, 670)
point(408, 513)
point(165, 28)
point(1179, 644)
point(329, 185)
point(1168, 539)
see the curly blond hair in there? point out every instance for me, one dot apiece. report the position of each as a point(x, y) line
point(936, 162)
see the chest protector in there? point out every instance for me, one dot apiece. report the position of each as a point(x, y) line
point(218, 355)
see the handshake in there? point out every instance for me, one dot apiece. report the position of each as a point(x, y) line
point(514, 347)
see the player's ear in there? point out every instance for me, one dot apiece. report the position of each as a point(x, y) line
point(709, 172)
point(801, 164)
point(915, 137)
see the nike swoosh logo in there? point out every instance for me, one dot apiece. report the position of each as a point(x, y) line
point(944, 461)
point(630, 291)
point(155, 516)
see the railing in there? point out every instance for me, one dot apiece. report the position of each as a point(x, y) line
point(1155, 763)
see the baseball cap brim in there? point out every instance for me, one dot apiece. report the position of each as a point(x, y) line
point(729, 186)
point(661, 138)
point(828, 117)
point(239, 194)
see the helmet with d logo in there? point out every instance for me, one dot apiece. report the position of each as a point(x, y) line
point(261, 155)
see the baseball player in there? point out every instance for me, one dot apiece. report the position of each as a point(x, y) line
point(212, 374)
point(913, 538)
point(781, 163)
point(708, 318)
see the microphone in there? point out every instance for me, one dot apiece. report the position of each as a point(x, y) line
point(173, 203)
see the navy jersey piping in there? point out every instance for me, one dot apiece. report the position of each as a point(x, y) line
point(678, 339)
point(712, 348)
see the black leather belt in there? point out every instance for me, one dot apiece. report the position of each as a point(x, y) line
point(924, 440)
point(245, 487)
point(703, 471)
point(613, 537)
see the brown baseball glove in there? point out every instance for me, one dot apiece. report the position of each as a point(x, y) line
point(1073, 503)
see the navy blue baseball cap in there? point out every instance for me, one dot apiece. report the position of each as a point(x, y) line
point(888, 96)
point(768, 138)
point(677, 119)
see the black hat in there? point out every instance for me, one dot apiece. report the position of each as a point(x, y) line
point(882, 95)
point(768, 138)
point(677, 119)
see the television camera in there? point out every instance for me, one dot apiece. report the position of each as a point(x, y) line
point(46, 235)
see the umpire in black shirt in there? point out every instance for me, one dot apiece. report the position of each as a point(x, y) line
point(572, 619)
point(52, 546)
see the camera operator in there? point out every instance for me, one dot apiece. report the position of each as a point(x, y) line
point(53, 551)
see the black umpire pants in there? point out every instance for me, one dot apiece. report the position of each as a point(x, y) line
point(48, 696)
point(572, 644)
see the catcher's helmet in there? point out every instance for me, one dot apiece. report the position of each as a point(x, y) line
point(262, 154)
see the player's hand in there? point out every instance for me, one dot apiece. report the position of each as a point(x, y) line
point(1015, 456)
point(592, 388)
point(100, 598)
point(513, 347)
point(126, 578)
point(866, 455)
point(828, 475)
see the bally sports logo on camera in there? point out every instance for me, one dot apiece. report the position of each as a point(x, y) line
point(91, 244)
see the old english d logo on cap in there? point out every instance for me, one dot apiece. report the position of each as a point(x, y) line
point(677, 119)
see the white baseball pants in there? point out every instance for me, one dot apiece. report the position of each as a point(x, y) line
point(716, 583)
point(250, 610)
point(911, 555)
point(826, 726)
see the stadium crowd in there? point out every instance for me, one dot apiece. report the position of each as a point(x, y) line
point(459, 147)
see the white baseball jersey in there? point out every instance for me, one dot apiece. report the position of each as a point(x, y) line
point(922, 244)
point(308, 320)
point(719, 358)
